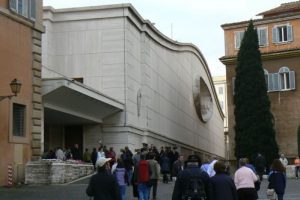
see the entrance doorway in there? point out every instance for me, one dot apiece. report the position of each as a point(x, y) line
point(74, 135)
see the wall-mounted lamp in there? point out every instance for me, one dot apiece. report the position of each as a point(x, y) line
point(15, 87)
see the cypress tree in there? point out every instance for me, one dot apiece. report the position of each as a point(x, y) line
point(254, 128)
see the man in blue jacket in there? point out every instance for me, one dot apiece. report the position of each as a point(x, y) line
point(103, 185)
point(192, 183)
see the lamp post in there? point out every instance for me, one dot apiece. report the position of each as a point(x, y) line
point(15, 87)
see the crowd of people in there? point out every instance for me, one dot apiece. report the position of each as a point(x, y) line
point(194, 180)
point(210, 180)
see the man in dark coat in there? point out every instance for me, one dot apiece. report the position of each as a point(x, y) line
point(260, 164)
point(103, 185)
point(192, 169)
point(222, 185)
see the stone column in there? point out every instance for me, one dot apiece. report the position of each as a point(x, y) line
point(37, 97)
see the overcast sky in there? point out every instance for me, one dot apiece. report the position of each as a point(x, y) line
point(190, 21)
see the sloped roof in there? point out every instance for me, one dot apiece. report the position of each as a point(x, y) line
point(285, 8)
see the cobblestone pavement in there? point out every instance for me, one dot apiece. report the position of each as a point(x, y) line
point(76, 191)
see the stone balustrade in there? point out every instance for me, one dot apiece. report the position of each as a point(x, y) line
point(55, 171)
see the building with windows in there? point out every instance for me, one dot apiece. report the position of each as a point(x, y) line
point(221, 89)
point(20, 116)
point(111, 77)
point(278, 31)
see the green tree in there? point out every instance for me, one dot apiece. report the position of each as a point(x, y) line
point(254, 128)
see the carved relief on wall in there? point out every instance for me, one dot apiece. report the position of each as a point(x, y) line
point(202, 99)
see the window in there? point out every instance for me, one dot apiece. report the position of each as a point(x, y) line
point(238, 37)
point(286, 79)
point(220, 90)
point(26, 8)
point(282, 33)
point(262, 34)
point(19, 120)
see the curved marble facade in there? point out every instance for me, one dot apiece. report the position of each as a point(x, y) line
point(123, 56)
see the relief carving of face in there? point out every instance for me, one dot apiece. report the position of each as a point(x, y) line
point(202, 99)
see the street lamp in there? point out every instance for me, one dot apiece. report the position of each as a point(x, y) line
point(15, 87)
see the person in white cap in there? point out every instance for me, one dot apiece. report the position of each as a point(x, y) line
point(103, 185)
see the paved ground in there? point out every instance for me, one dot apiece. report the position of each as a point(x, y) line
point(76, 191)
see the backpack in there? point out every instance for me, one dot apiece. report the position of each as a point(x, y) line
point(143, 172)
point(194, 188)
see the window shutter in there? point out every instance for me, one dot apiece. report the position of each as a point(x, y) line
point(292, 80)
point(276, 82)
point(275, 35)
point(289, 33)
point(13, 5)
point(237, 40)
point(270, 82)
point(32, 9)
point(262, 37)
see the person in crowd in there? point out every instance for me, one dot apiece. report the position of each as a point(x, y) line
point(127, 159)
point(111, 154)
point(87, 155)
point(250, 166)
point(103, 185)
point(161, 152)
point(297, 166)
point(136, 157)
point(76, 154)
point(51, 154)
point(244, 179)
point(60, 155)
point(100, 153)
point(142, 178)
point(283, 160)
point(192, 174)
point(155, 172)
point(177, 166)
point(156, 153)
point(222, 185)
point(277, 178)
point(122, 177)
point(94, 157)
point(260, 165)
point(165, 167)
point(205, 165)
point(210, 171)
point(68, 154)
point(45, 155)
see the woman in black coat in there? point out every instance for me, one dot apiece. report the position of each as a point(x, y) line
point(277, 178)
point(222, 185)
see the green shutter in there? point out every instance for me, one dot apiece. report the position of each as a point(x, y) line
point(13, 5)
point(289, 33)
point(275, 38)
point(32, 9)
point(276, 82)
point(292, 80)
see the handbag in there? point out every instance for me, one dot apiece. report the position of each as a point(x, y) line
point(271, 194)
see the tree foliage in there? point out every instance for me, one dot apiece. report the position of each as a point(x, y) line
point(254, 128)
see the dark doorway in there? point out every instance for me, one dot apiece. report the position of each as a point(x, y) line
point(74, 135)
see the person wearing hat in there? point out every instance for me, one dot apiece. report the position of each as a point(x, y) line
point(103, 185)
point(192, 183)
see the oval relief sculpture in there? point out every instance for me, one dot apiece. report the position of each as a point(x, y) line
point(202, 99)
